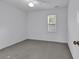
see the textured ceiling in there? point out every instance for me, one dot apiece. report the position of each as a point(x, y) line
point(44, 4)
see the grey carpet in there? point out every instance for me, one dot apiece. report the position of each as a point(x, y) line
point(31, 49)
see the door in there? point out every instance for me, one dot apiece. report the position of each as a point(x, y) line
point(73, 28)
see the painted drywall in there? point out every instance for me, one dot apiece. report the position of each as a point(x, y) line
point(38, 27)
point(12, 25)
point(73, 27)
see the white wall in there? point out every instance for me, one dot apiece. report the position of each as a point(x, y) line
point(37, 25)
point(73, 27)
point(12, 25)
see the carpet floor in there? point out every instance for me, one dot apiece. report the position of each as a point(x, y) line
point(32, 49)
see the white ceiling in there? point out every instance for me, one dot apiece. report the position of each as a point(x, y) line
point(45, 4)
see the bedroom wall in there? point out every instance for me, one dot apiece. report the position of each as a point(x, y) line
point(13, 26)
point(16, 26)
point(38, 28)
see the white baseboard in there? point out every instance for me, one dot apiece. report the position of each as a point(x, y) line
point(49, 40)
point(5, 46)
